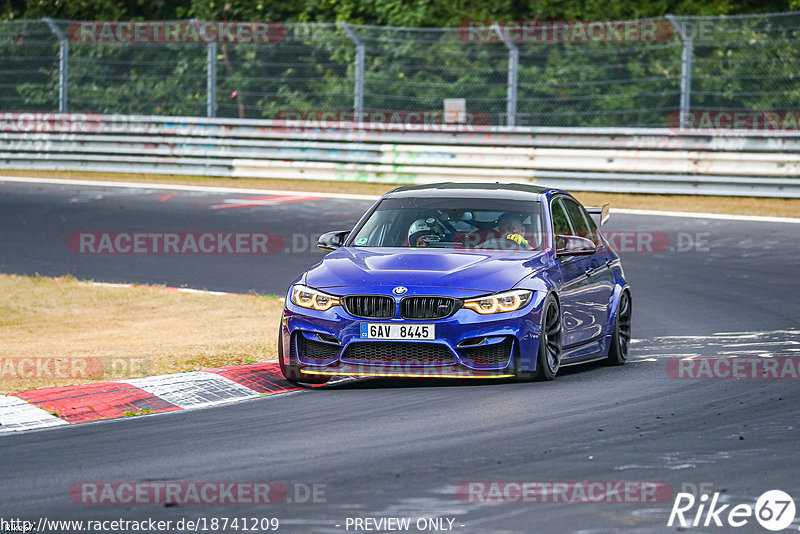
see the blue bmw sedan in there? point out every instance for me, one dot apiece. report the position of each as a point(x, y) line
point(452, 280)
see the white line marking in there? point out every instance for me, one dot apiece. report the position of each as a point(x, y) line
point(204, 291)
point(696, 215)
point(179, 289)
point(211, 189)
point(177, 187)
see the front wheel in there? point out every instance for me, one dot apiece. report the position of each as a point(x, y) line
point(621, 334)
point(291, 370)
point(548, 359)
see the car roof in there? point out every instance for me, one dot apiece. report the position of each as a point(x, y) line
point(454, 189)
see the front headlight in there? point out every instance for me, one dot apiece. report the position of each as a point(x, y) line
point(313, 299)
point(500, 302)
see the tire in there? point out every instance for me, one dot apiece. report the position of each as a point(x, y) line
point(621, 334)
point(548, 358)
point(291, 370)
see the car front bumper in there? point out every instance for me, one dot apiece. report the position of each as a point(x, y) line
point(466, 344)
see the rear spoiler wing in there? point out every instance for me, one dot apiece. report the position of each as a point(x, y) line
point(603, 211)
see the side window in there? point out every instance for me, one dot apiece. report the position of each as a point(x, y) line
point(560, 221)
point(578, 218)
point(593, 235)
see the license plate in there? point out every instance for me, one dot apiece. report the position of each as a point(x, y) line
point(397, 331)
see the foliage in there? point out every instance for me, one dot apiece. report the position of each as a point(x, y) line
point(748, 63)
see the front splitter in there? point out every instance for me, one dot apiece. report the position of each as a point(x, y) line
point(406, 372)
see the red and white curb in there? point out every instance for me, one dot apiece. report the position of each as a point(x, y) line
point(49, 407)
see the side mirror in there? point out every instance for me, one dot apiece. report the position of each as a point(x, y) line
point(573, 245)
point(332, 240)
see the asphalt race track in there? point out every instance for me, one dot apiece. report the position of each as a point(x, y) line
point(401, 449)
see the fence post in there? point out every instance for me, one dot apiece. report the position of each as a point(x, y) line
point(63, 63)
point(358, 91)
point(686, 69)
point(513, 77)
point(211, 80)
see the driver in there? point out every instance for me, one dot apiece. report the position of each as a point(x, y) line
point(421, 233)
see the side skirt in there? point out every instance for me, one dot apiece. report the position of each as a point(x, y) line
point(591, 351)
point(581, 361)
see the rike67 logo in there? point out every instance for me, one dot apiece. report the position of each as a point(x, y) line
point(774, 510)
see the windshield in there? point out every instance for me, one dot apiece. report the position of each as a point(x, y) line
point(464, 223)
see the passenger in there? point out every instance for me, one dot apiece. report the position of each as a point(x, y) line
point(512, 234)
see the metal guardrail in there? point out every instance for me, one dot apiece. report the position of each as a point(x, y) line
point(590, 159)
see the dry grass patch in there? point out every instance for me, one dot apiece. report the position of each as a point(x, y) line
point(775, 207)
point(353, 188)
point(61, 331)
point(772, 207)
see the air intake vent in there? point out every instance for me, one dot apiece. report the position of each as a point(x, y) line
point(393, 353)
point(494, 356)
point(310, 351)
point(369, 306)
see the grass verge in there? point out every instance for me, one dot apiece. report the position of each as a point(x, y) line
point(60, 331)
point(775, 207)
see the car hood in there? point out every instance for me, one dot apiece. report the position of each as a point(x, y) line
point(481, 271)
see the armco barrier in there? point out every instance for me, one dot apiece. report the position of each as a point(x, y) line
point(589, 159)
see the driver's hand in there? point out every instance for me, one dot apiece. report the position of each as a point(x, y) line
point(518, 239)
